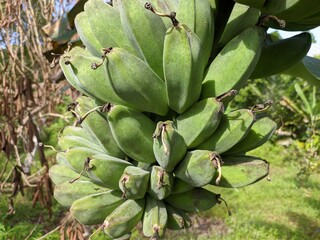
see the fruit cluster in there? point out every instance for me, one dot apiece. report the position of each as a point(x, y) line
point(156, 79)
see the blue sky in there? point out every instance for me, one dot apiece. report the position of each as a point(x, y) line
point(315, 48)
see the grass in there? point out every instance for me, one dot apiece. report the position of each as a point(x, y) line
point(282, 208)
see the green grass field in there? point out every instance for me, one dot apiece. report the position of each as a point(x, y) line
point(282, 208)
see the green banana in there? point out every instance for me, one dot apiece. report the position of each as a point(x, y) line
point(154, 219)
point(302, 70)
point(234, 64)
point(68, 72)
point(77, 157)
point(98, 127)
point(62, 173)
point(135, 82)
point(200, 120)
point(66, 142)
point(166, 141)
point(198, 16)
point(177, 219)
point(86, 34)
point(252, 3)
point(133, 132)
point(93, 209)
point(290, 10)
point(161, 183)
point(241, 18)
point(94, 82)
point(139, 25)
point(180, 186)
point(195, 200)
point(75, 132)
point(106, 170)
point(105, 23)
point(183, 65)
point(260, 132)
point(66, 193)
point(241, 171)
point(124, 218)
point(291, 26)
point(282, 54)
point(311, 19)
point(134, 182)
point(62, 160)
point(198, 168)
point(233, 127)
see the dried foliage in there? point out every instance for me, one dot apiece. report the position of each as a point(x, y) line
point(30, 90)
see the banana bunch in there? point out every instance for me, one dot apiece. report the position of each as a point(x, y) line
point(153, 128)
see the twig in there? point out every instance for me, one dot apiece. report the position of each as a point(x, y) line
point(52, 231)
point(33, 229)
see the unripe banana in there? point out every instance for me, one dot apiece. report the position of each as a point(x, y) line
point(233, 127)
point(198, 167)
point(134, 182)
point(183, 65)
point(161, 183)
point(77, 157)
point(195, 200)
point(75, 132)
point(168, 145)
point(304, 71)
point(290, 10)
point(198, 16)
point(62, 173)
point(282, 54)
point(86, 34)
point(93, 209)
point(241, 17)
point(98, 127)
point(260, 132)
point(133, 132)
point(177, 219)
point(135, 82)
point(291, 26)
point(200, 121)
point(66, 142)
point(180, 186)
point(105, 23)
point(106, 170)
point(139, 25)
point(155, 218)
point(66, 193)
point(241, 171)
point(71, 77)
point(252, 3)
point(91, 82)
point(62, 160)
point(124, 218)
point(234, 64)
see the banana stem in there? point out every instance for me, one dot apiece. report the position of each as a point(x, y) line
point(230, 93)
point(261, 107)
point(172, 15)
point(82, 118)
point(85, 168)
point(221, 199)
point(265, 19)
